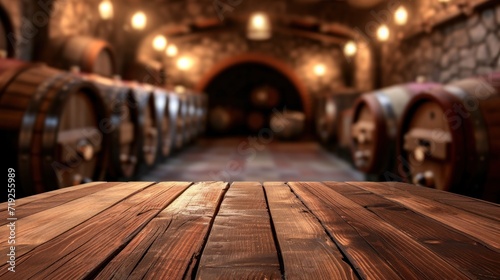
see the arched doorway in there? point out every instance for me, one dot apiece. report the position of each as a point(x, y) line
point(233, 83)
point(6, 33)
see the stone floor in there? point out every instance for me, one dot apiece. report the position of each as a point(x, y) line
point(241, 159)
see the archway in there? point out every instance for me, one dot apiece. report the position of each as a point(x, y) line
point(268, 61)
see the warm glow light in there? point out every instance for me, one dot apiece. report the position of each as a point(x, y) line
point(172, 51)
point(401, 16)
point(350, 48)
point(184, 63)
point(159, 43)
point(383, 33)
point(106, 9)
point(180, 89)
point(139, 21)
point(259, 27)
point(320, 70)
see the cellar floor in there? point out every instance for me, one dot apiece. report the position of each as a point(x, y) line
point(238, 159)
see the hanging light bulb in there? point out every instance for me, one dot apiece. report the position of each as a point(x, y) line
point(172, 51)
point(259, 27)
point(383, 33)
point(320, 70)
point(184, 63)
point(159, 43)
point(350, 48)
point(106, 9)
point(139, 21)
point(401, 16)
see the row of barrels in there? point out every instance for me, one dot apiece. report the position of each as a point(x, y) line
point(439, 136)
point(63, 128)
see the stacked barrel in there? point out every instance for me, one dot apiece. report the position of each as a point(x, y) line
point(438, 136)
point(63, 128)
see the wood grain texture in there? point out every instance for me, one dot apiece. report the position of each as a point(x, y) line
point(49, 202)
point(481, 229)
point(407, 257)
point(168, 246)
point(306, 249)
point(44, 226)
point(79, 252)
point(476, 206)
point(465, 254)
point(241, 244)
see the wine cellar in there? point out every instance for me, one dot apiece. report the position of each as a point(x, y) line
point(287, 139)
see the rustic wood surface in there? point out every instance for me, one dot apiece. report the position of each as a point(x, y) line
point(251, 230)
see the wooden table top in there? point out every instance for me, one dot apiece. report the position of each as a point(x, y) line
point(248, 230)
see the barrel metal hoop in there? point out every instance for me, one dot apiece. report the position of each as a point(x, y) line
point(26, 130)
point(391, 120)
point(480, 133)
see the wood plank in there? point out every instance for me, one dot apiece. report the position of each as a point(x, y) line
point(459, 250)
point(306, 249)
point(80, 252)
point(476, 206)
point(481, 229)
point(38, 197)
point(241, 244)
point(168, 246)
point(49, 202)
point(44, 226)
point(391, 247)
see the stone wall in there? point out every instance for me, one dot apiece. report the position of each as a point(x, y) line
point(457, 50)
point(299, 54)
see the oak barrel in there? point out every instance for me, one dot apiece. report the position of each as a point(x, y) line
point(50, 127)
point(376, 118)
point(450, 138)
point(256, 121)
point(327, 118)
point(265, 97)
point(150, 130)
point(123, 125)
point(224, 119)
point(166, 122)
point(288, 125)
point(91, 55)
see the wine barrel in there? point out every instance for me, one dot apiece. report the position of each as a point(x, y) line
point(150, 132)
point(191, 121)
point(178, 105)
point(288, 125)
point(265, 97)
point(328, 108)
point(256, 121)
point(49, 122)
point(450, 138)
point(375, 124)
point(203, 112)
point(223, 119)
point(91, 55)
point(123, 126)
point(151, 72)
point(166, 132)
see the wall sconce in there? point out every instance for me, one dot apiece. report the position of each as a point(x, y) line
point(159, 43)
point(401, 16)
point(139, 21)
point(259, 27)
point(184, 63)
point(106, 10)
point(320, 70)
point(383, 33)
point(172, 51)
point(350, 48)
